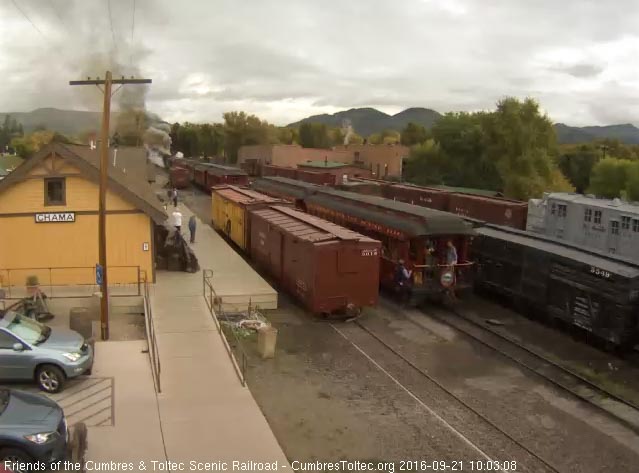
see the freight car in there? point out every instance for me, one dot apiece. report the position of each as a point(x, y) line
point(474, 206)
point(314, 177)
point(328, 268)
point(218, 174)
point(545, 277)
point(406, 231)
point(229, 211)
point(179, 177)
point(207, 175)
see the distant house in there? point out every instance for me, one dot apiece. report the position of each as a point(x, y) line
point(251, 157)
point(384, 161)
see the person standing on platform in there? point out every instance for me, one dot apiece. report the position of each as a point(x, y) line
point(175, 197)
point(192, 226)
point(177, 220)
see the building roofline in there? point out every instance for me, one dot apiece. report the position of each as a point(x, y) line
point(117, 180)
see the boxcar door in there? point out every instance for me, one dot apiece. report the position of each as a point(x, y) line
point(276, 254)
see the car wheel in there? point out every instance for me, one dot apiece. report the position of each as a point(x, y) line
point(50, 378)
point(13, 456)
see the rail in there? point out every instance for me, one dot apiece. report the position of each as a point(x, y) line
point(149, 324)
point(214, 303)
point(123, 281)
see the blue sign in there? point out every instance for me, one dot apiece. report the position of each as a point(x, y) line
point(98, 275)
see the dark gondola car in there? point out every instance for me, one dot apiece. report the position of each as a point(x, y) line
point(596, 292)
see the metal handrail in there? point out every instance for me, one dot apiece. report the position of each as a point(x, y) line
point(213, 302)
point(154, 356)
point(8, 285)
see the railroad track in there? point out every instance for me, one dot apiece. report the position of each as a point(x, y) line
point(548, 466)
point(613, 405)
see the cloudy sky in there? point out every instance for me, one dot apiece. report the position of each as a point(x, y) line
point(287, 59)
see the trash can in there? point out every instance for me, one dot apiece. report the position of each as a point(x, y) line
point(266, 341)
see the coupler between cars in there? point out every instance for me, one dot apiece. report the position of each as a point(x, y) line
point(77, 445)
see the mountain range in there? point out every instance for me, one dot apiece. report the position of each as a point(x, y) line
point(365, 121)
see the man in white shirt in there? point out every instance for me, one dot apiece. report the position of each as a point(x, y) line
point(177, 220)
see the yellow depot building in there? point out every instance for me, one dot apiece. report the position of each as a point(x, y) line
point(49, 218)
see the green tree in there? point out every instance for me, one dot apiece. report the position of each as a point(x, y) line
point(609, 177)
point(242, 129)
point(522, 144)
point(427, 164)
point(314, 135)
point(414, 134)
point(632, 182)
point(462, 140)
point(576, 162)
point(385, 137)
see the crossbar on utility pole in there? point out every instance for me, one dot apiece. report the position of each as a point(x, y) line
point(104, 173)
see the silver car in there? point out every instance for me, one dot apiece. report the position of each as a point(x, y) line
point(30, 350)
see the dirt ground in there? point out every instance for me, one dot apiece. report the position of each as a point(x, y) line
point(325, 400)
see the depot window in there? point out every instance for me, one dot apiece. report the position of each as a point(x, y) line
point(597, 216)
point(625, 223)
point(635, 225)
point(54, 191)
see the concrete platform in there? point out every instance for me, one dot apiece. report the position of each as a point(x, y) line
point(206, 414)
point(234, 280)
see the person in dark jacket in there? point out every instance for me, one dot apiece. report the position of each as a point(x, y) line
point(403, 281)
point(192, 226)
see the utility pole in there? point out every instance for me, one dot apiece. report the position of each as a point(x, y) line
point(104, 175)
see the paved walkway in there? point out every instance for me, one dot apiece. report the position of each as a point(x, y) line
point(233, 278)
point(206, 414)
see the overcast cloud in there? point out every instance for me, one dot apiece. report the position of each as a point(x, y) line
point(287, 59)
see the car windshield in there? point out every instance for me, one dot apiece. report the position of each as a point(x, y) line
point(27, 329)
point(5, 394)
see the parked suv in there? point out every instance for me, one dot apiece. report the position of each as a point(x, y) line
point(32, 429)
point(30, 350)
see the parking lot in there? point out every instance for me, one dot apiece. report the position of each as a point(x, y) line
point(87, 399)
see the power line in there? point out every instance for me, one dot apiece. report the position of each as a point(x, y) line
point(27, 17)
point(115, 46)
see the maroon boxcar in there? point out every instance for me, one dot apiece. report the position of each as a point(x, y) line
point(217, 174)
point(496, 210)
point(199, 175)
point(328, 268)
point(279, 171)
point(430, 197)
point(179, 177)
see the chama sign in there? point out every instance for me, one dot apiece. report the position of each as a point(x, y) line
point(51, 217)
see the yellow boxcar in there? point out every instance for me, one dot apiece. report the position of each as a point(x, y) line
point(229, 211)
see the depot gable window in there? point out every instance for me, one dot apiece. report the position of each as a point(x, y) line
point(55, 191)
